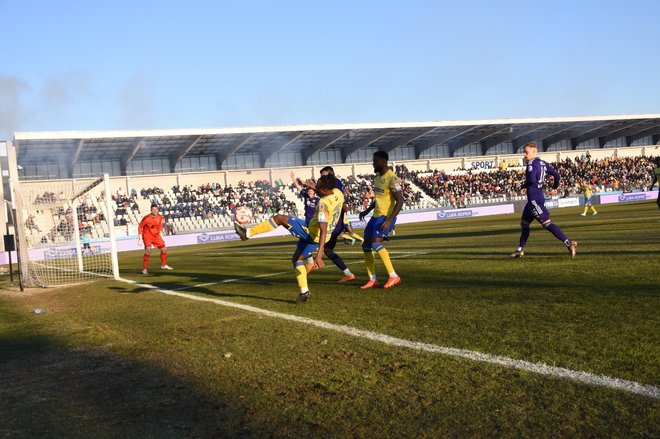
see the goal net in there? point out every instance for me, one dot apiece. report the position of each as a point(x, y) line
point(65, 231)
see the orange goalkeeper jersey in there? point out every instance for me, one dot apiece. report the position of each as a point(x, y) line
point(151, 226)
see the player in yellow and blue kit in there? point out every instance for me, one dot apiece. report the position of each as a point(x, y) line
point(387, 204)
point(348, 234)
point(334, 233)
point(586, 189)
point(312, 237)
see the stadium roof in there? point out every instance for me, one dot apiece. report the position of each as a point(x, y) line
point(74, 146)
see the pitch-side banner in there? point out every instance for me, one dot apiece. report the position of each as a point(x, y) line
point(568, 202)
point(445, 214)
point(629, 196)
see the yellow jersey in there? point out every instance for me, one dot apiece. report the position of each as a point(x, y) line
point(328, 211)
point(384, 188)
point(587, 191)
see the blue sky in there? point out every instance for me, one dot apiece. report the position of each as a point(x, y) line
point(81, 65)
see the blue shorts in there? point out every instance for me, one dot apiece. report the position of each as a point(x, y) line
point(306, 245)
point(535, 210)
point(373, 229)
point(587, 200)
point(298, 228)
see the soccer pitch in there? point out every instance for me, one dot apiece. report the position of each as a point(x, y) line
point(218, 346)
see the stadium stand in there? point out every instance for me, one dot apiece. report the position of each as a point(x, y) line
point(462, 188)
point(442, 164)
point(211, 206)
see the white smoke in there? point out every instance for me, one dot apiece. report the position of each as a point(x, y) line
point(12, 110)
point(61, 91)
point(47, 107)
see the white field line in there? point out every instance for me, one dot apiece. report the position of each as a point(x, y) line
point(539, 368)
point(405, 255)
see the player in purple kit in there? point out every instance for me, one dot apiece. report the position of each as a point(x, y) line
point(535, 208)
point(310, 200)
point(308, 194)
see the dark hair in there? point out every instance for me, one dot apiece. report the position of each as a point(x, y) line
point(382, 155)
point(327, 169)
point(154, 205)
point(326, 182)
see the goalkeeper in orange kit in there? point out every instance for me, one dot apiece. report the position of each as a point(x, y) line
point(150, 233)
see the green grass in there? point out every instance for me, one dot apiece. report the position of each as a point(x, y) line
point(113, 359)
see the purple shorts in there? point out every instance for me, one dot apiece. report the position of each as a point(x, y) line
point(535, 210)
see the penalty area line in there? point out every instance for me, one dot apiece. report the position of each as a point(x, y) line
point(537, 368)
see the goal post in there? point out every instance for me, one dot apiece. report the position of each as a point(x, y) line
point(65, 231)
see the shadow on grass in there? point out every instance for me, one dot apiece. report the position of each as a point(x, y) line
point(252, 296)
point(48, 390)
point(188, 288)
point(258, 243)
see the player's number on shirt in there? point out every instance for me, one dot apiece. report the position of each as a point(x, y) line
point(335, 215)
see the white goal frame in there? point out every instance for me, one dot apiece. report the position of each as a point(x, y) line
point(61, 256)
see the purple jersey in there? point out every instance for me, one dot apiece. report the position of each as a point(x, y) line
point(310, 204)
point(535, 175)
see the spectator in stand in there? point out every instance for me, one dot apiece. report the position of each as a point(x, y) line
point(31, 224)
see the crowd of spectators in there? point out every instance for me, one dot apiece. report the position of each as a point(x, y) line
point(359, 193)
point(459, 189)
point(626, 174)
point(46, 198)
point(262, 198)
point(124, 204)
point(210, 200)
point(87, 216)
